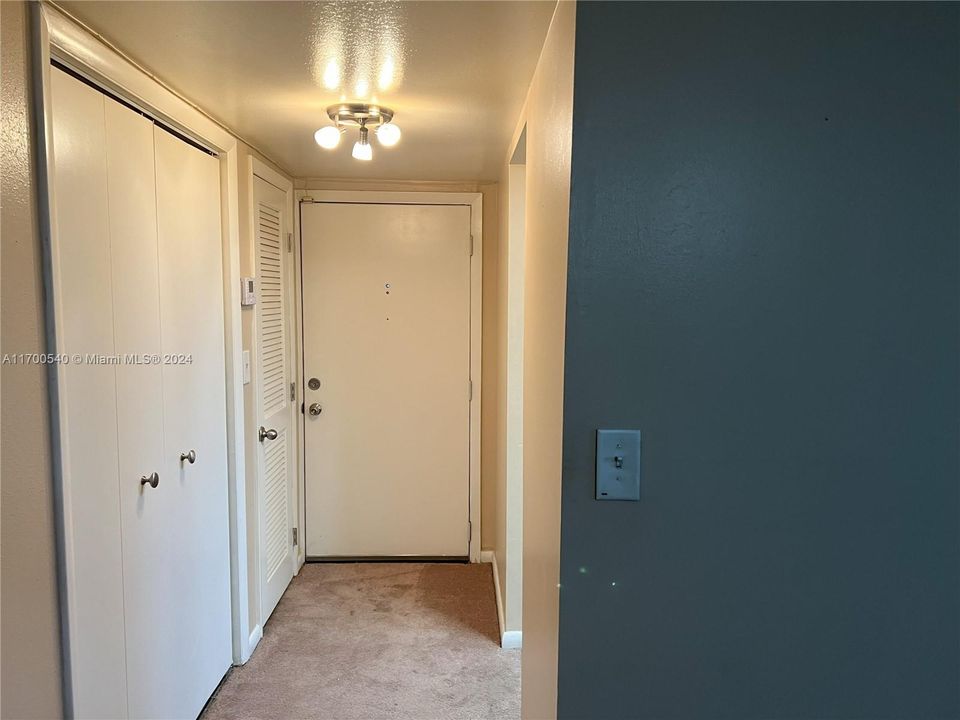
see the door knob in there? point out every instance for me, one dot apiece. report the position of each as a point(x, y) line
point(190, 457)
point(315, 409)
point(152, 480)
point(267, 434)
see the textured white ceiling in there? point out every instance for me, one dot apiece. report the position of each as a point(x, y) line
point(455, 73)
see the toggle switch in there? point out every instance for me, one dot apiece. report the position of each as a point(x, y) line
point(618, 465)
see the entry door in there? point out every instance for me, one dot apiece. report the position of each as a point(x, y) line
point(275, 406)
point(386, 334)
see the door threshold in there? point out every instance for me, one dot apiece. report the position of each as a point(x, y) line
point(387, 559)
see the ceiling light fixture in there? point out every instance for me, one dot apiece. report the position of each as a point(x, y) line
point(363, 116)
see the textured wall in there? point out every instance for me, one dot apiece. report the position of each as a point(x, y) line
point(29, 614)
point(764, 279)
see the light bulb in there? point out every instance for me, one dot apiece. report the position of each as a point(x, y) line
point(388, 134)
point(362, 149)
point(327, 137)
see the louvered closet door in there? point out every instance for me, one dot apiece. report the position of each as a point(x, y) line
point(192, 660)
point(275, 406)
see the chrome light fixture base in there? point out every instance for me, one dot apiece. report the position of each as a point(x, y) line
point(359, 114)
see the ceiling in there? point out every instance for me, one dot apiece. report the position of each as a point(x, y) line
point(455, 74)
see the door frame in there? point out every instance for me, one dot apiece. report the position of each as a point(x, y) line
point(56, 35)
point(258, 168)
point(473, 200)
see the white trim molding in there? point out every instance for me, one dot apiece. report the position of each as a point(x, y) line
point(509, 639)
point(55, 36)
point(474, 200)
point(512, 640)
point(256, 635)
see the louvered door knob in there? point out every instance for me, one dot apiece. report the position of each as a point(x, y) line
point(190, 457)
point(267, 434)
point(152, 480)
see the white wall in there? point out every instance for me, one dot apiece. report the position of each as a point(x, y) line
point(509, 471)
point(549, 118)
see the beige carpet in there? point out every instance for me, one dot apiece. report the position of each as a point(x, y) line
point(384, 640)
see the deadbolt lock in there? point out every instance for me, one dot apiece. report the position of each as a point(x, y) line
point(313, 383)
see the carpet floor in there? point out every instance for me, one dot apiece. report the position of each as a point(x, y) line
point(380, 640)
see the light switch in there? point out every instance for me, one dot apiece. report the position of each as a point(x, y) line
point(618, 464)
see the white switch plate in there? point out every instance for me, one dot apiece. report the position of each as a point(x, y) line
point(246, 367)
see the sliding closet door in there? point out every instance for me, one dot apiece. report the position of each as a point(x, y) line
point(87, 402)
point(194, 412)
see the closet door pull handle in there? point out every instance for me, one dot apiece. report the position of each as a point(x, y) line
point(190, 457)
point(267, 434)
point(152, 480)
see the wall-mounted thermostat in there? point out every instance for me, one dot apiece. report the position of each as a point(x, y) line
point(248, 292)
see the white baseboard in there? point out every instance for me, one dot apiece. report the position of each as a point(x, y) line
point(509, 639)
point(255, 636)
point(512, 640)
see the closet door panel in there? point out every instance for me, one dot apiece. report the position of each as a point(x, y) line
point(194, 407)
point(146, 512)
point(88, 401)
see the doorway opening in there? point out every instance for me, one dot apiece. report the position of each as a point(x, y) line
point(510, 576)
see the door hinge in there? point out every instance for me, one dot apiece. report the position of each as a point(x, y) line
point(471, 246)
point(470, 390)
point(293, 392)
point(296, 536)
point(289, 242)
point(469, 532)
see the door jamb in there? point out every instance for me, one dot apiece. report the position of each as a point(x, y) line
point(473, 200)
point(55, 35)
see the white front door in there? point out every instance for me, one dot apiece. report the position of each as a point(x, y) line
point(275, 406)
point(386, 338)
